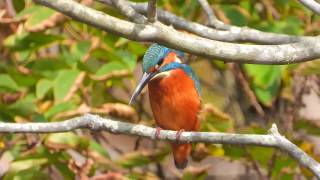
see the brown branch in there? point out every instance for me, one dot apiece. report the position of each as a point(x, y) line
point(125, 8)
point(152, 11)
point(304, 50)
point(94, 122)
point(212, 19)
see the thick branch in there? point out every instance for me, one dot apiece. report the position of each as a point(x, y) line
point(212, 19)
point(94, 122)
point(152, 11)
point(313, 5)
point(304, 50)
point(234, 34)
point(125, 8)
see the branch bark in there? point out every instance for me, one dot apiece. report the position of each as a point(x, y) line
point(212, 19)
point(125, 8)
point(234, 34)
point(304, 50)
point(152, 11)
point(94, 122)
point(312, 5)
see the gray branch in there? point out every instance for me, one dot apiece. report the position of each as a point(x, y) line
point(304, 50)
point(125, 8)
point(234, 34)
point(152, 11)
point(94, 122)
point(212, 19)
point(313, 5)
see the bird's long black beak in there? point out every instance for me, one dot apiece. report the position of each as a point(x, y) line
point(143, 82)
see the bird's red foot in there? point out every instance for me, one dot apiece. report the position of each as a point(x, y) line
point(157, 134)
point(179, 134)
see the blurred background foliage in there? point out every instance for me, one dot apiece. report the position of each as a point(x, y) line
point(53, 68)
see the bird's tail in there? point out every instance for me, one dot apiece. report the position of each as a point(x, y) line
point(181, 153)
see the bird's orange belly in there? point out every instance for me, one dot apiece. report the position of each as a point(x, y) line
point(175, 102)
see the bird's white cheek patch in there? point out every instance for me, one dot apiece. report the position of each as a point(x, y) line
point(177, 60)
point(161, 75)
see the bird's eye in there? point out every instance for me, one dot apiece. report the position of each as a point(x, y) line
point(160, 62)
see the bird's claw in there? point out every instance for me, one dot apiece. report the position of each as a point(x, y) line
point(157, 134)
point(178, 135)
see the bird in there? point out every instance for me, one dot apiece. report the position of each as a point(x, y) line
point(174, 94)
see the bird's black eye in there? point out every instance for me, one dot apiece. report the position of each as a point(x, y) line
point(160, 62)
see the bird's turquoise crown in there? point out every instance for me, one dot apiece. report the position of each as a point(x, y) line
point(156, 53)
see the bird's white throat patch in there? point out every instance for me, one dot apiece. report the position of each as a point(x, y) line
point(161, 75)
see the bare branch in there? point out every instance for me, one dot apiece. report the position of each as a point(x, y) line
point(125, 8)
point(234, 34)
point(313, 5)
point(304, 50)
point(212, 19)
point(94, 122)
point(152, 11)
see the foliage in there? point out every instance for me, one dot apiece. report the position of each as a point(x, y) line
point(53, 68)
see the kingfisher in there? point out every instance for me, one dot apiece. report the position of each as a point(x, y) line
point(174, 94)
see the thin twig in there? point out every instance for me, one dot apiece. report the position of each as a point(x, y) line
point(94, 122)
point(212, 19)
point(125, 9)
point(152, 11)
point(246, 88)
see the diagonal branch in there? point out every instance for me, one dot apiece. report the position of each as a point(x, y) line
point(94, 122)
point(125, 8)
point(152, 11)
point(212, 19)
point(312, 5)
point(304, 50)
point(234, 34)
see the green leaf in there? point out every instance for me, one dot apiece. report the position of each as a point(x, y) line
point(7, 83)
point(39, 15)
point(66, 140)
point(33, 173)
point(77, 52)
point(18, 5)
point(20, 165)
point(48, 67)
point(24, 107)
point(128, 59)
point(21, 79)
point(97, 147)
point(137, 159)
point(63, 83)
point(265, 81)
point(136, 48)
point(42, 87)
point(58, 108)
point(307, 126)
point(109, 67)
point(29, 41)
point(236, 17)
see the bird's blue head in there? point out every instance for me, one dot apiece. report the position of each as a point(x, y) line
point(158, 59)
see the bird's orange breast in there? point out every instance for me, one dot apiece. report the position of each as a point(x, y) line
point(175, 101)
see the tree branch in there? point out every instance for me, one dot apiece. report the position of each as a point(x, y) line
point(304, 50)
point(94, 122)
point(152, 11)
point(234, 34)
point(212, 19)
point(125, 8)
point(312, 5)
